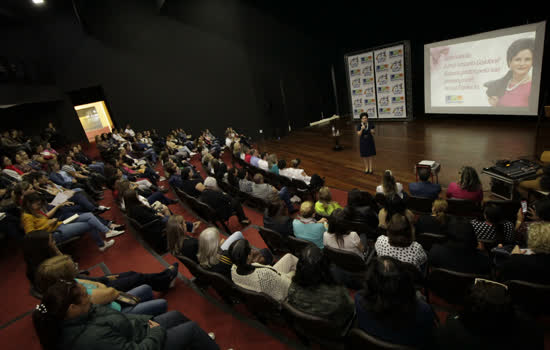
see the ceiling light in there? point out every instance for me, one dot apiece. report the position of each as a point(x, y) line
point(38, 2)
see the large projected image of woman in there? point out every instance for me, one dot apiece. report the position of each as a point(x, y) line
point(514, 89)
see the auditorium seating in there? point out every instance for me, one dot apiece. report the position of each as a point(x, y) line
point(359, 339)
point(274, 241)
point(533, 297)
point(427, 240)
point(450, 285)
point(156, 240)
point(420, 205)
point(464, 207)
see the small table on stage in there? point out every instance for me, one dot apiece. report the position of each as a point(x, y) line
point(434, 167)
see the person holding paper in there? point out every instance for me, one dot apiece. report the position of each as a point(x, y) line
point(34, 218)
point(367, 149)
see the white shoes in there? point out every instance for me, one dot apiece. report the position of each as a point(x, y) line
point(162, 178)
point(107, 245)
point(103, 208)
point(192, 153)
point(113, 233)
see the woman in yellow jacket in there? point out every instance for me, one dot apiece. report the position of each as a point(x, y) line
point(325, 205)
point(34, 219)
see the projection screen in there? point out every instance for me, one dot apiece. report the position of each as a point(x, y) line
point(496, 72)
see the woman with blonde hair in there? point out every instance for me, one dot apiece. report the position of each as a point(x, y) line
point(272, 163)
point(532, 264)
point(306, 227)
point(179, 243)
point(325, 205)
point(437, 221)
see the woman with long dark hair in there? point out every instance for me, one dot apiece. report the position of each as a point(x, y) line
point(339, 237)
point(459, 253)
point(494, 227)
point(273, 281)
point(66, 319)
point(313, 290)
point(388, 308)
point(362, 208)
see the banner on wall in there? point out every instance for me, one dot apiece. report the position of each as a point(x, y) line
point(377, 82)
point(390, 82)
point(362, 87)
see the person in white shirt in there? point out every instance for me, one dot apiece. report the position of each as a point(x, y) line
point(294, 172)
point(129, 131)
point(262, 163)
point(389, 186)
point(115, 135)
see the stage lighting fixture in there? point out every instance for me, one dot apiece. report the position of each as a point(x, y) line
point(38, 2)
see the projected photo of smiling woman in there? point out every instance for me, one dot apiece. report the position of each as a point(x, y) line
point(514, 89)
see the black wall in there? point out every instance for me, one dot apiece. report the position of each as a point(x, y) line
point(191, 64)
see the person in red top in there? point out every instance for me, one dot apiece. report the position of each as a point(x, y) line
point(248, 156)
point(469, 186)
point(7, 164)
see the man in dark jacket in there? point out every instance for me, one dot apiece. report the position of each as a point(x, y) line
point(424, 188)
point(224, 205)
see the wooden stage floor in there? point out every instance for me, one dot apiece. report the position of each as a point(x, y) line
point(400, 145)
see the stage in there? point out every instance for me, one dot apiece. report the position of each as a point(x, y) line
point(400, 145)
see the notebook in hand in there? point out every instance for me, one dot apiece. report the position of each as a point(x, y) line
point(71, 219)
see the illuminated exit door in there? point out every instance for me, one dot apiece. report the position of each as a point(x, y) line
point(95, 119)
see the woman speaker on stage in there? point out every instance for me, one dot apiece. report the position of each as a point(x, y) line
point(366, 142)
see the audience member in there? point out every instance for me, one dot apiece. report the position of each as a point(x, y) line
point(399, 242)
point(460, 252)
point(306, 227)
point(67, 319)
point(540, 183)
point(62, 268)
point(362, 208)
point(436, 222)
point(389, 187)
point(325, 205)
point(273, 281)
point(494, 227)
point(314, 292)
point(394, 205)
point(34, 219)
point(388, 309)
point(245, 185)
point(530, 264)
point(294, 172)
point(179, 243)
point(468, 186)
point(224, 205)
point(338, 236)
point(489, 321)
point(274, 219)
point(424, 188)
point(39, 246)
point(262, 162)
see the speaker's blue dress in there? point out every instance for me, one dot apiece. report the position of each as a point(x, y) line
point(366, 141)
